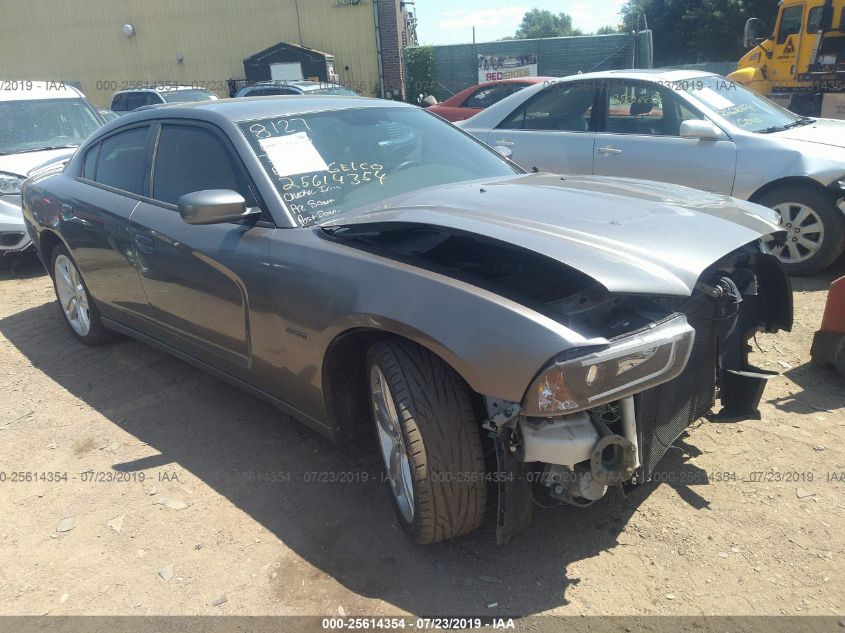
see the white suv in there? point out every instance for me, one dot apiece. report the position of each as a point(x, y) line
point(125, 101)
point(40, 122)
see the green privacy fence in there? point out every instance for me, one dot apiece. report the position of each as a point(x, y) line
point(458, 66)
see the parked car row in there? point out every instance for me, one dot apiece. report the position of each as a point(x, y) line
point(374, 270)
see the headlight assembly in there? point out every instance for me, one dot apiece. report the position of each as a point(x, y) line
point(10, 184)
point(629, 365)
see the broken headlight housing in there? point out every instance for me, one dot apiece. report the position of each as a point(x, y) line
point(629, 365)
point(10, 184)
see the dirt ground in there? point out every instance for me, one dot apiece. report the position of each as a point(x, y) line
point(132, 483)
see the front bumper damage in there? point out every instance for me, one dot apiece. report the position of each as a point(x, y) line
point(575, 458)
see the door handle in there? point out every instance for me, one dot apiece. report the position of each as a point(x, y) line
point(145, 243)
point(609, 151)
point(505, 143)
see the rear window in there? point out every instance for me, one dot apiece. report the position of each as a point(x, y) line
point(185, 96)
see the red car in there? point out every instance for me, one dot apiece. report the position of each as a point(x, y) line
point(473, 100)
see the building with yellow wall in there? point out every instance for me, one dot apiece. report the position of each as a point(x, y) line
point(108, 45)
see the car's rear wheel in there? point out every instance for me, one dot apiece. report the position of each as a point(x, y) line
point(815, 229)
point(428, 436)
point(78, 309)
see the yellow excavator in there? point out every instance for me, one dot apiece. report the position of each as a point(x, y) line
point(802, 65)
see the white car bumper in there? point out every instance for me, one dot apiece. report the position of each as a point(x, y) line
point(13, 235)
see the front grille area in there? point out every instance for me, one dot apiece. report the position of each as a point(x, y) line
point(665, 411)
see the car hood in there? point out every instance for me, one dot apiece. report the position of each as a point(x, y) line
point(631, 236)
point(22, 164)
point(823, 132)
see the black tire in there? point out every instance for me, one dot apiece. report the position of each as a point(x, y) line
point(832, 219)
point(441, 433)
point(97, 332)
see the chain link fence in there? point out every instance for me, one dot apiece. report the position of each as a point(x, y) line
point(456, 66)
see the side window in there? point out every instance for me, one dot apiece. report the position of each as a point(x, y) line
point(790, 22)
point(814, 19)
point(118, 103)
point(89, 166)
point(645, 109)
point(192, 159)
point(486, 97)
point(562, 107)
point(122, 160)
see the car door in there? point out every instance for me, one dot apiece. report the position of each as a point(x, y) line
point(639, 137)
point(202, 281)
point(553, 130)
point(95, 221)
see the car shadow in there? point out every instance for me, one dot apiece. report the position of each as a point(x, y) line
point(280, 473)
point(24, 265)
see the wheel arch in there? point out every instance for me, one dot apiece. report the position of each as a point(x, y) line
point(345, 385)
point(791, 181)
point(47, 242)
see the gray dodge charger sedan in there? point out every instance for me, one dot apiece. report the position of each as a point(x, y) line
point(374, 271)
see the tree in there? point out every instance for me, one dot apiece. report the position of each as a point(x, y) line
point(691, 31)
point(539, 23)
point(607, 30)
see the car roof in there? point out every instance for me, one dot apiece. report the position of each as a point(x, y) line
point(251, 108)
point(644, 74)
point(26, 90)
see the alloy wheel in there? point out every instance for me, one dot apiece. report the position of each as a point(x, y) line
point(804, 233)
point(72, 296)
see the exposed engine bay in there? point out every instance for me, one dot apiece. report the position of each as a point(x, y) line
point(574, 453)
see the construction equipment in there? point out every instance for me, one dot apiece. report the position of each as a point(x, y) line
point(802, 65)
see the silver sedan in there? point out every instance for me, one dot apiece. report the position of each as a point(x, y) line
point(688, 128)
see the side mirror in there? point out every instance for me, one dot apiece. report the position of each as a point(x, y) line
point(749, 35)
point(215, 206)
point(701, 129)
point(507, 152)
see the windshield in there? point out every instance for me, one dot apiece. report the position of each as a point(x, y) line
point(739, 106)
point(184, 96)
point(329, 163)
point(28, 126)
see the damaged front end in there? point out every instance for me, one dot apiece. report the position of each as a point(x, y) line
point(603, 417)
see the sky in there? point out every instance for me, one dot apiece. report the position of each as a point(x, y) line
point(451, 21)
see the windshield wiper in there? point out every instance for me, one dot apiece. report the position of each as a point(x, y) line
point(780, 128)
point(45, 149)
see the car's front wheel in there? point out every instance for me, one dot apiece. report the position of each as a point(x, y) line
point(78, 309)
point(815, 229)
point(428, 436)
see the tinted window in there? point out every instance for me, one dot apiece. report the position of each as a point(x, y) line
point(90, 164)
point(486, 97)
point(118, 103)
point(193, 159)
point(790, 22)
point(122, 160)
point(562, 107)
point(133, 100)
